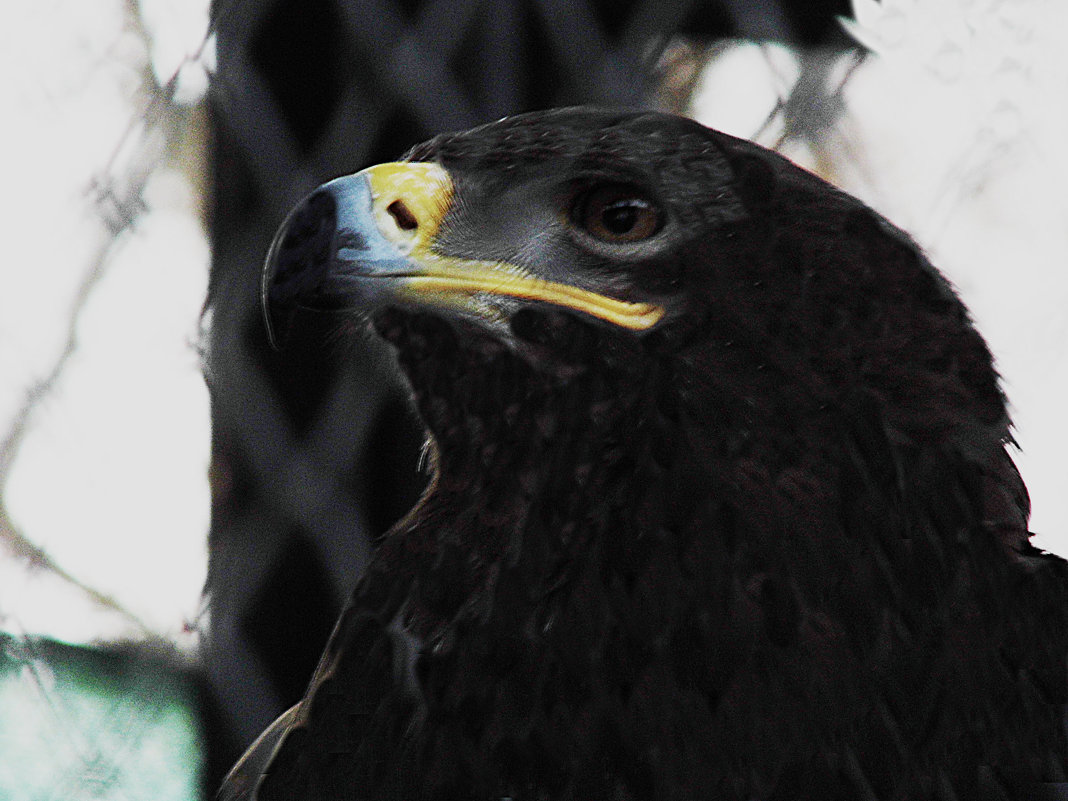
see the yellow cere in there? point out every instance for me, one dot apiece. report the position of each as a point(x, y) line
point(426, 190)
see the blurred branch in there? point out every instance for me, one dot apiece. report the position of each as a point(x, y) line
point(677, 72)
point(117, 195)
point(38, 559)
point(15, 540)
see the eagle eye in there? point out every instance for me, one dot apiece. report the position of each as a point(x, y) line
point(616, 213)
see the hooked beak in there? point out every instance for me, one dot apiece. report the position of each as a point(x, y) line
point(367, 239)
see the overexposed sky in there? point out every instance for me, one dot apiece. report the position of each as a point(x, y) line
point(954, 130)
point(112, 478)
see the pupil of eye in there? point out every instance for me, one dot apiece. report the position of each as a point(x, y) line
point(620, 218)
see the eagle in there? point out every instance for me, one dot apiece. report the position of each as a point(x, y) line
point(721, 505)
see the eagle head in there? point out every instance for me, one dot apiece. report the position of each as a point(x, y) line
point(722, 506)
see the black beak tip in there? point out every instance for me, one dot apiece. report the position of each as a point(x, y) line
point(298, 261)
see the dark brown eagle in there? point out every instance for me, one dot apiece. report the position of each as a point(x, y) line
point(721, 505)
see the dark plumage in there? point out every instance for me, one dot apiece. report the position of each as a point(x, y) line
point(768, 546)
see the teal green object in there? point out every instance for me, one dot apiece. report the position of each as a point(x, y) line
point(96, 724)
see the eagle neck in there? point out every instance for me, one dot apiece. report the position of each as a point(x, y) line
point(565, 480)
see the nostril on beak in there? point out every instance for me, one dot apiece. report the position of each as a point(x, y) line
point(402, 215)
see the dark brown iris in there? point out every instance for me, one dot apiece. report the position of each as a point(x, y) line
point(617, 213)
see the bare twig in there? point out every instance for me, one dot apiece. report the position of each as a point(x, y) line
point(118, 198)
point(38, 558)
